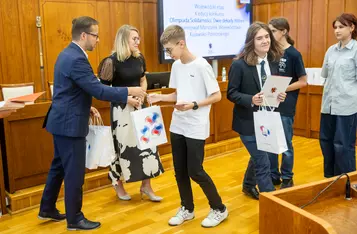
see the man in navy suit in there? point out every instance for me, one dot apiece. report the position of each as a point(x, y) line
point(67, 119)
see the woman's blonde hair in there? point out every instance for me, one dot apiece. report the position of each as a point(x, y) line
point(121, 43)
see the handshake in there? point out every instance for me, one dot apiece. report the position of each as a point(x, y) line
point(136, 96)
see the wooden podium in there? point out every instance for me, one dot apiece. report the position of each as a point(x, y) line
point(2, 187)
point(331, 213)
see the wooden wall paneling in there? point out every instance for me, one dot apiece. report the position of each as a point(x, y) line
point(303, 37)
point(315, 109)
point(335, 8)
point(106, 33)
point(259, 2)
point(142, 28)
point(134, 12)
point(318, 32)
point(300, 120)
point(135, 18)
point(12, 47)
point(57, 24)
point(151, 36)
point(290, 12)
point(261, 13)
point(28, 10)
point(2, 49)
point(118, 17)
point(308, 113)
point(351, 6)
point(275, 10)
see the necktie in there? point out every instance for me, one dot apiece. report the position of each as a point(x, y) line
point(262, 72)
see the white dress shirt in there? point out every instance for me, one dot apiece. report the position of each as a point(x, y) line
point(81, 49)
point(266, 68)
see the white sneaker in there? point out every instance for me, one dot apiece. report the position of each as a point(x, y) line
point(181, 216)
point(214, 218)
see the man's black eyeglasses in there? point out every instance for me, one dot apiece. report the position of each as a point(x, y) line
point(94, 35)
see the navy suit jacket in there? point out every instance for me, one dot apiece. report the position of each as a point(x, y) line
point(243, 84)
point(74, 86)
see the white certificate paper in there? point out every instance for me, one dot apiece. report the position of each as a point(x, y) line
point(272, 87)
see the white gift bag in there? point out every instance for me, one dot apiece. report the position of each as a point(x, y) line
point(149, 127)
point(269, 132)
point(100, 147)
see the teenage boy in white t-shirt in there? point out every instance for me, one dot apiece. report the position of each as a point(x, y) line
point(196, 89)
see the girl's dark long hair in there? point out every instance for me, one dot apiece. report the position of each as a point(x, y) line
point(282, 24)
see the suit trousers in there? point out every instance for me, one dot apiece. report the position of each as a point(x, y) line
point(68, 164)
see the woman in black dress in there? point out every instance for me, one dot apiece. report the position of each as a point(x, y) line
point(126, 68)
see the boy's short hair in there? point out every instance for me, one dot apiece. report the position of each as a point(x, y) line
point(172, 33)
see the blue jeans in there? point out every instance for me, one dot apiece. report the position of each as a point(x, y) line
point(258, 170)
point(287, 164)
point(337, 141)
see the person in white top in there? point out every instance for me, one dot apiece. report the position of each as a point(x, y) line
point(196, 89)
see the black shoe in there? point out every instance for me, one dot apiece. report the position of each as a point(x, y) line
point(54, 216)
point(287, 183)
point(84, 224)
point(251, 192)
point(276, 181)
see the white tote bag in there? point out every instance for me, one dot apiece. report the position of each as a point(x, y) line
point(149, 127)
point(100, 147)
point(269, 132)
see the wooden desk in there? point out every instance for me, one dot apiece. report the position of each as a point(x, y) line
point(308, 111)
point(223, 116)
point(2, 183)
point(29, 147)
point(279, 211)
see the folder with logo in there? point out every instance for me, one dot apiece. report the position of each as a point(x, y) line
point(272, 87)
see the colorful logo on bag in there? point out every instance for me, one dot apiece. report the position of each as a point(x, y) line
point(273, 90)
point(152, 127)
point(265, 131)
point(144, 139)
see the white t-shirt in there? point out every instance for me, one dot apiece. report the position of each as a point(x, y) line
point(194, 81)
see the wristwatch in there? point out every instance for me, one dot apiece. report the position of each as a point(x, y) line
point(195, 106)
